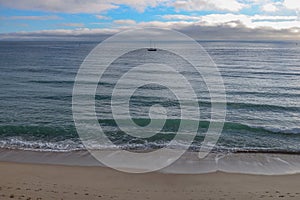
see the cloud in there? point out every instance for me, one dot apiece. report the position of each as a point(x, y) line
point(60, 34)
point(233, 20)
point(65, 6)
point(287, 26)
point(223, 24)
point(292, 4)
point(72, 24)
point(98, 6)
point(140, 5)
point(270, 7)
point(195, 30)
point(226, 32)
point(125, 22)
point(169, 25)
point(45, 17)
point(181, 17)
point(220, 19)
point(277, 6)
point(102, 17)
point(78, 6)
point(273, 18)
point(197, 5)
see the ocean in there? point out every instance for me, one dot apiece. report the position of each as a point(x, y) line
point(262, 81)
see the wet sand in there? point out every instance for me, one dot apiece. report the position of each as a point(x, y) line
point(32, 181)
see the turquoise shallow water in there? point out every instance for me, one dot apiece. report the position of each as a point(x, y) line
point(261, 80)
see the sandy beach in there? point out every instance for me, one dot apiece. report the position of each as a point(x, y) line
point(32, 181)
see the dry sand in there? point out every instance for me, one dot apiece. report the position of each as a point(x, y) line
point(30, 181)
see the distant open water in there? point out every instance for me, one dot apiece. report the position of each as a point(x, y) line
point(262, 81)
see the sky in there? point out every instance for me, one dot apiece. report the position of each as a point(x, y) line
point(200, 19)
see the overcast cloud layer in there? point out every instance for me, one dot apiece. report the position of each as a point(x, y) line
point(201, 19)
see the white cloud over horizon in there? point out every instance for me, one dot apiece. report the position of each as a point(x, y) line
point(66, 6)
point(78, 6)
point(92, 17)
point(256, 21)
point(98, 6)
point(214, 26)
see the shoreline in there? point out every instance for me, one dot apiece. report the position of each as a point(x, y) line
point(36, 181)
point(189, 163)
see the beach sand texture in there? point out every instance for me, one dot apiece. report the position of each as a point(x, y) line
point(31, 181)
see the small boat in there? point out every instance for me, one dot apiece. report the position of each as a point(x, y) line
point(151, 48)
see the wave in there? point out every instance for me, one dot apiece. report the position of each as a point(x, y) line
point(253, 106)
point(265, 94)
point(147, 101)
point(67, 132)
point(22, 143)
point(44, 138)
point(38, 131)
point(171, 123)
